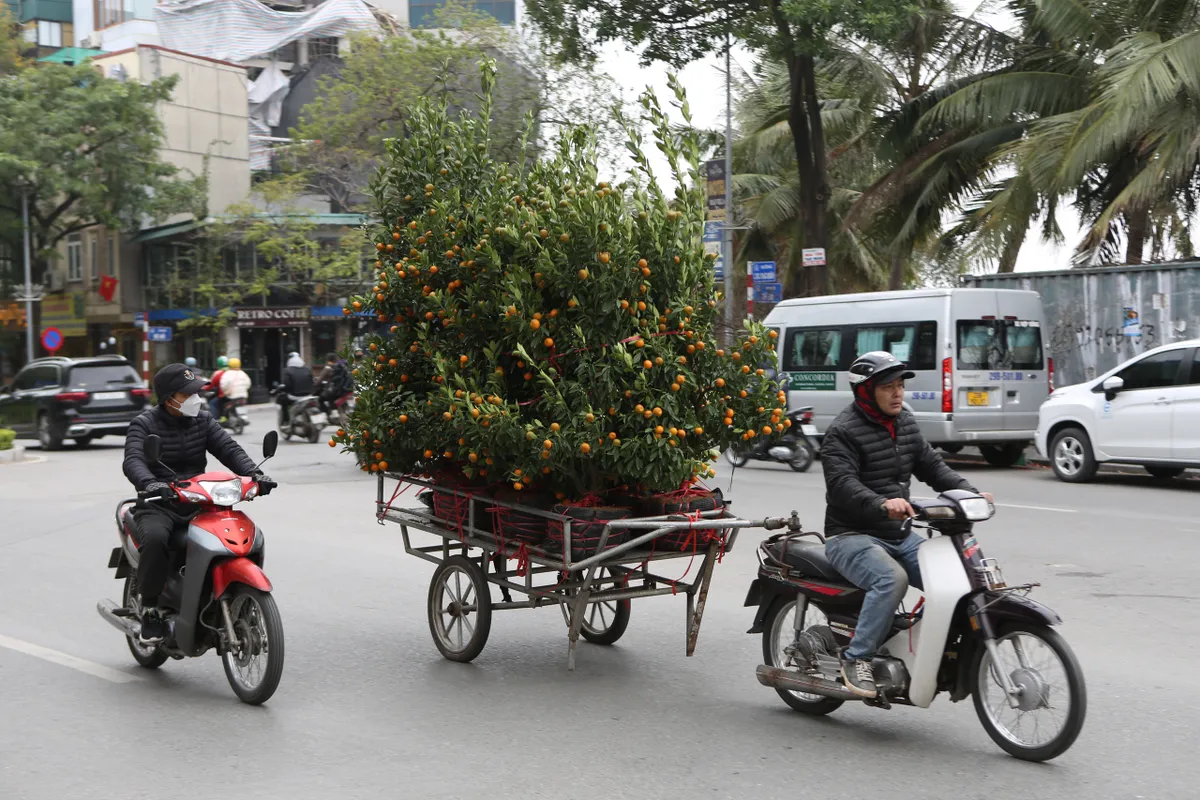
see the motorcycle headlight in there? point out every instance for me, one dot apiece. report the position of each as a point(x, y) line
point(223, 493)
point(975, 508)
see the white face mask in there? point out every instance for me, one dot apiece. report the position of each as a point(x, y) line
point(191, 406)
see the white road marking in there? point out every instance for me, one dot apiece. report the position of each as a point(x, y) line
point(1040, 508)
point(65, 660)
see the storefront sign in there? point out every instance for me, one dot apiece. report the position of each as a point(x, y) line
point(12, 317)
point(812, 381)
point(277, 317)
point(65, 312)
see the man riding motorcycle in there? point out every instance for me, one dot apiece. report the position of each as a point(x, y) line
point(297, 382)
point(187, 434)
point(870, 454)
point(235, 384)
point(334, 382)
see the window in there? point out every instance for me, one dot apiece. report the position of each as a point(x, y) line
point(322, 47)
point(1194, 378)
point(913, 342)
point(1000, 345)
point(112, 253)
point(94, 252)
point(97, 378)
point(74, 257)
point(813, 349)
point(1152, 372)
point(49, 34)
point(34, 378)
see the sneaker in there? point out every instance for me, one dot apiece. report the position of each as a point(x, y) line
point(154, 628)
point(858, 677)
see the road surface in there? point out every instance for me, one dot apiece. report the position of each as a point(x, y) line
point(368, 709)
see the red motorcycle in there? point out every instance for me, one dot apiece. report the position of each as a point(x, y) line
point(217, 595)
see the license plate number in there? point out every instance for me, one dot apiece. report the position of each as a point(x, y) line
point(977, 398)
point(809, 430)
point(318, 419)
point(109, 396)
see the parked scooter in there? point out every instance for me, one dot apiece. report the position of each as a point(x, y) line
point(217, 593)
point(796, 448)
point(971, 635)
point(305, 418)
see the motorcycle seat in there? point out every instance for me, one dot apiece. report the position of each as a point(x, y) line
point(809, 559)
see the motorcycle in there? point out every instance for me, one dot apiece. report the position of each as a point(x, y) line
point(217, 595)
point(796, 448)
point(234, 417)
point(304, 416)
point(339, 410)
point(971, 635)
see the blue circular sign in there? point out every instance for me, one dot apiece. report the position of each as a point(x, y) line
point(52, 339)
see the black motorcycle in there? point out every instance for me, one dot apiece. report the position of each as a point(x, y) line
point(796, 448)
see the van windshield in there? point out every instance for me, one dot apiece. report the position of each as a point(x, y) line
point(1000, 345)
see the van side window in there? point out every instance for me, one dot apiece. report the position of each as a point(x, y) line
point(915, 343)
point(813, 349)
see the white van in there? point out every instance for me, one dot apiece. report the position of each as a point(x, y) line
point(978, 354)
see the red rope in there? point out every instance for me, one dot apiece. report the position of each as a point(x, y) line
point(401, 488)
point(911, 616)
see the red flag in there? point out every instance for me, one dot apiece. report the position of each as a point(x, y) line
point(108, 287)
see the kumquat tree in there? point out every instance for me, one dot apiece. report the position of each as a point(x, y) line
point(551, 331)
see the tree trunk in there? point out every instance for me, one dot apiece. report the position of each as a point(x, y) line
point(1137, 224)
point(897, 274)
point(809, 141)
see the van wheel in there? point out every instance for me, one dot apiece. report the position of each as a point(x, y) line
point(1071, 456)
point(1165, 473)
point(1002, 455)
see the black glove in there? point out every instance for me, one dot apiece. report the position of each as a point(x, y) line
point(265, 484)
point(158, 489)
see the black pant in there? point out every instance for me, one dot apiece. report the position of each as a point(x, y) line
point(158, 534)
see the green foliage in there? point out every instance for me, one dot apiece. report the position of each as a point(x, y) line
point(551, 330)
point(11, 43)
point(7, 437)
point(87, 148)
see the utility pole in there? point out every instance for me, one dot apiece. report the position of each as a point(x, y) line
point(727, 227)
point(28, 278)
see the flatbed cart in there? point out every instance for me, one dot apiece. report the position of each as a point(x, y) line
point(593, 593)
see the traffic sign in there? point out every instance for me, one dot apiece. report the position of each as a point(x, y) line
point(813, 256)
point(139, 317)
point(768, 292)
point(160, 333)
point(763, 271)
point(52, 339)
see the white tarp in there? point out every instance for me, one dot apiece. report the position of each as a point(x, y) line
point(265, 96)
point(239, 30)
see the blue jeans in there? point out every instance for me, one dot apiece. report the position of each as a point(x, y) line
point(885, 569)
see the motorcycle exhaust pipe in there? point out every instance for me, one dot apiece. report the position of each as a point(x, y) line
point(126, 625)
point(793, 681)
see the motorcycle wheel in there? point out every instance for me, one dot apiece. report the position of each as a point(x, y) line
point(778, 632)
point(1040, 662)
point(237, 424)
point(254, 669)
point(148, 657)
point(802, 458)
point(737, 459)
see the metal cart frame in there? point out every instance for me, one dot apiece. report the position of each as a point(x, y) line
point(613, 576)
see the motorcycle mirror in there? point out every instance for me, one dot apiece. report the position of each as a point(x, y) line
point(153, 448)
point(270, 444)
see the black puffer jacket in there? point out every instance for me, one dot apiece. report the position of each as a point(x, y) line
point(186, 442)
point(864, 467)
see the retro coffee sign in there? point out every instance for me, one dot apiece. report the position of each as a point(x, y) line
point(277, 317)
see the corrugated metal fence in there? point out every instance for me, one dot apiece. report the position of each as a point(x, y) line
point(1098, 318)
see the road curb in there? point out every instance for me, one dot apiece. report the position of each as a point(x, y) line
point(18, 455)
point(1035, 461)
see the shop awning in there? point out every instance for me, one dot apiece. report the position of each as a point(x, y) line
point(70, 55)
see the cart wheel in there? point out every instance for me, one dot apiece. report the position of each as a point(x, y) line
point(460, 609)
point(605, 622)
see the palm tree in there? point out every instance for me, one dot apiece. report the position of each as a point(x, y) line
point(1107, 96)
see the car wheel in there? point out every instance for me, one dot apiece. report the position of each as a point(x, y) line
point(50, 435)
point(1002, 455)
point(1071, 456)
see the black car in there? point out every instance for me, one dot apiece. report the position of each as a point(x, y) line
point(53, 399)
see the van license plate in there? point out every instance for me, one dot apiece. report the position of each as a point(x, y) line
point(109, 396)
point(977, 398)
point(809, 430)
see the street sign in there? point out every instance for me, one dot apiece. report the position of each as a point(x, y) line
point(768, 292)
point(139, 317)
point(813, 256)
point(712, 244)
point(762, 271)
point(160, 333)
point(52, 339)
